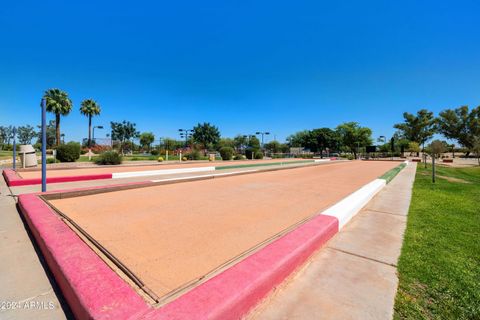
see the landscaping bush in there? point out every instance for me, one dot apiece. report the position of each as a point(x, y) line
point(69, 152)
point(184, 159)
point(109, 157)
point(250, 153)
point(194, 155)
point(239, 157)
point(154, 152)
point(226, 153)
point(52, 160)
point(258, 154)
point(160, 159)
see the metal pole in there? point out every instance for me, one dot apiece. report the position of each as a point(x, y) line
point(14, 148)
point(44, 146)
point(433, 168)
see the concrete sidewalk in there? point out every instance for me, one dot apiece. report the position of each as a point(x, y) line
point(26, 289)
point(354, 276)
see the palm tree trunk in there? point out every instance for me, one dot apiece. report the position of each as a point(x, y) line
point(89, 131)
point(57, 128)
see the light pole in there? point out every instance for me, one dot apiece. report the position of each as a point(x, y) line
point(185, 133)
point(15, 148)
point(248, 144)
point(264, 133)
point(93, 135)
point(382, 139)
point(44, 146)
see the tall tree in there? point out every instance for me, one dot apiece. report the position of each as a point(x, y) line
point(3, 134)
point(460, 125)
point(123, 131)
point(324, 138)
point(26, 134)
point(50, 134)
point(240, 142)
point(7, 134)
point(90, 108)
point(418, 128)
point(58, 103)
point(353, 136)
point(299, 139)
point(146, 140)
point(206, 134)
point(273, 146)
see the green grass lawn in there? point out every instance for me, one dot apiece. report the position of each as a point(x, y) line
point(439, 268)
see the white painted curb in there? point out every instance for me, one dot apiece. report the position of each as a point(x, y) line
point(348, 207)
point(204, 176)
point(131, 174)
point(321, 160)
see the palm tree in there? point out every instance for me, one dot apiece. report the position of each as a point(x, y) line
point(57, 102)
point(90, 108)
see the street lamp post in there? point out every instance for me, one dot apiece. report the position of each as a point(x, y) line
point(263, 133)
point(382, 139)
point(90, 142)
point(185, 133)
point(93, 135)
point(249, 137)
point(15, 148)
point(44, 145)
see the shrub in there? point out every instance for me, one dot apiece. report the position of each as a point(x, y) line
point(109, 157)
point(226, 153)
point(239, 157)
point(194, 155)
point(155, 152)
point(52, 160)
point(69, 152)
point(160, 159)
point(258, 154)
point(184, 159)
point(350, 156)
point(250, 153)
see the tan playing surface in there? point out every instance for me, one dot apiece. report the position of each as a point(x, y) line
point(170, 235)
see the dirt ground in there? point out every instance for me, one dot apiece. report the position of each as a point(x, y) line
point(172, 235)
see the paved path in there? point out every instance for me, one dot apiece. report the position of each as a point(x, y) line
point(23, 279)
point(354, 276)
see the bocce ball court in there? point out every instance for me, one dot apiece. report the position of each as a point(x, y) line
point(170, 238)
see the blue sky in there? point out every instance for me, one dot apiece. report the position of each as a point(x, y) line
point(280, 66)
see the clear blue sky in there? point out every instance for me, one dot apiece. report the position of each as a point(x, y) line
point(244, 66)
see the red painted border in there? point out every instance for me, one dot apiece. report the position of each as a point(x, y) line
point(234, 292)
point(94, 291)
point(13, 180)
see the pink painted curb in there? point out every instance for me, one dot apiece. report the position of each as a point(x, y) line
point(13, 180)
point(94, 291)
point(234, 292)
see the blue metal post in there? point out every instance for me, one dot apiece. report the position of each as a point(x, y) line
point(14, 148)
point(44, 146)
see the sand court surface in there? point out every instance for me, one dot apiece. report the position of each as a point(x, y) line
point(173, 236)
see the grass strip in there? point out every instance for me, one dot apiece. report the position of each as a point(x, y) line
point(439, 267)
point(389, 175)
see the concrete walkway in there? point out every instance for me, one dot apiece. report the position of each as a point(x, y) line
point(26, 289)
point(354, 276)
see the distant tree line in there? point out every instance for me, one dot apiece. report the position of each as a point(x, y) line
point(461, 125)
